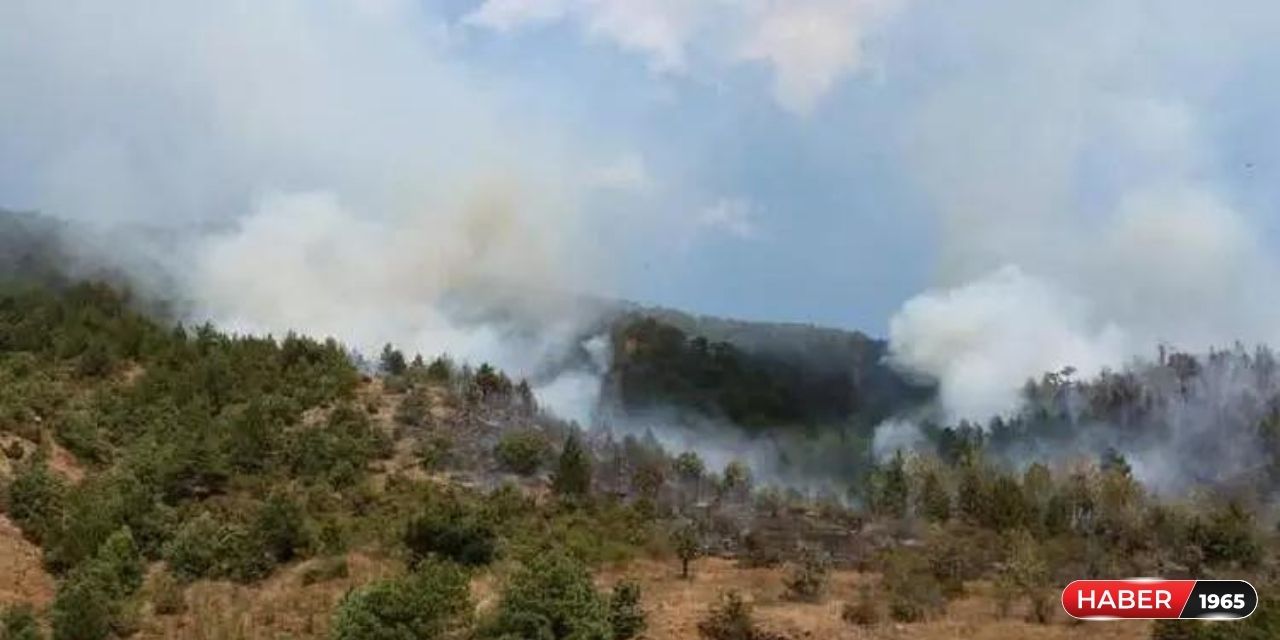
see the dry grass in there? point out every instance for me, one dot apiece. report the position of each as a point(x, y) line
point(675, 606)
point(283, 607)
point(22, 574)
point(279, 607)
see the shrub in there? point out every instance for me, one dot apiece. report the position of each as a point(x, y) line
point(90, 602)
point(1025, 575)
point(952, 560)
point(83, 610)
point(280, 528)
point(242, 556)
point(121, 562)
point(80, 436)
point(731, 619)
point(415, 409)
point(808, 578)
point(864, 612)
point(626, 617)
point(522, 451)
point(194, 551)
point(440, 370)
point(914, 593)
point(1227, 536)
point(551, 597)
point(36, 501)
point(433, 451)
point(757, 551)
point(97, 361)
point(18, 622)
point(332, 537)
point(429, 603)
point(452, 534)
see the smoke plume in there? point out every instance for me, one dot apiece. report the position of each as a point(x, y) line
point(1083, 214)
point(319, 167)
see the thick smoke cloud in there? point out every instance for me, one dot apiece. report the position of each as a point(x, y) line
point(983, 339)
point(321, 167)
point(1084, 212)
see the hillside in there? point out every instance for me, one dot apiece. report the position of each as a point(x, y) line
point(175, 482)
point(754, 375)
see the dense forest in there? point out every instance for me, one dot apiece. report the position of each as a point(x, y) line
point(753, 378)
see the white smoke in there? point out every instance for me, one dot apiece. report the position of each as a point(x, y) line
point(327, 168)
point(982, 340)
point(574, 394)
point(896, 435)
point(1080, 220)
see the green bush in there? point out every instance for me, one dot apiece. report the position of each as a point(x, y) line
point(914, 593)
point(37, 499)
point(434, 451)
point(551, 597)
point(415, 409)
point(440, 370)
point(80, 436)
point(340, 450)
point(522, 451)
point(430, 603)
point(92, 602)
point(119, 558)
point(731, 619)
point(1228, 535)
point(98, 507)
point(1025, 575)
point(808, 578)
point(280, 528)
point(452, 534)
point(194, 552)
point(18, 622)
point(83, 610)
point(626, 617)
point(244, 557)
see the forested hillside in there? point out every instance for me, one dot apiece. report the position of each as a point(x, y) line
point(754, 375)
point(164, 474)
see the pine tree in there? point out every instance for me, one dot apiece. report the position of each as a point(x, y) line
point(933, 502)
point(392, 361)
point(573, 471)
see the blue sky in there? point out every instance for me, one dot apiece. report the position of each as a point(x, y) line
point(810, 160)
